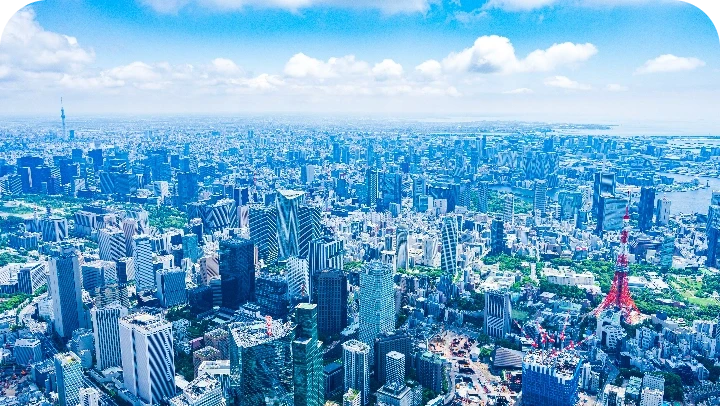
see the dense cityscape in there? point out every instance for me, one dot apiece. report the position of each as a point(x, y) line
point(308, 262)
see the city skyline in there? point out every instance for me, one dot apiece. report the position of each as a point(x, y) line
point(619, 63)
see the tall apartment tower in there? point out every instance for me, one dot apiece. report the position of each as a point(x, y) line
point(261, 363)
point(449, 236)
point(147, 357)
point(68, 378)
point(308, 376)
point(497, 237)
point(106, 332)
point(508, 214)
point(332, 296)
point(66, 289)
point(395, 369)
point(402, 254)
point(143, 263)
point(356, 357)
point(372, 185)
point(377, 302)
point(497, 313)
point(237, 272)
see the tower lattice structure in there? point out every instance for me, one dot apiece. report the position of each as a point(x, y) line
point(619, 296)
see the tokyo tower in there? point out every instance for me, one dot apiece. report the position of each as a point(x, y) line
point(619, 296)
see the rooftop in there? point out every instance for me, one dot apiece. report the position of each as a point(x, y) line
point(563, 364)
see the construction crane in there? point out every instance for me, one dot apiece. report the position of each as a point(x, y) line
point(534, 343)
point(562, 334)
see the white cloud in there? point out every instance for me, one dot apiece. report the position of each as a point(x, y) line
point(303, 66)
point(564, 82)
point(387, 69)
point(616, 88)
point(495, 54)
point(522, 90)
point(226, 67)
point(385, 6)
point(134, 72)
point(28, 47)
point(431, 69)
point(528, 5)
point(669, 63)
point(469, 17)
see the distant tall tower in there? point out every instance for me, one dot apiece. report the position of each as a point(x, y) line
point(62, 116)
point(377, 302)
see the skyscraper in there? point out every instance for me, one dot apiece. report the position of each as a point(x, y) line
point(357, 370)
point(497, 237)
point(662, 215)
point(377, 302)
point(111, 244)
point(68, 378)
point(550, 378)
point(540, 197)
point(324, 253)
point(402, 254)
point(372, 187)
point(237, 272)
point(604, 184)
point(147, 357)
point(646, 208)
point(448, 257)
point(497, 313)
point(143, 263)
point(106, 334)
point(482, 195)
point(288, 208)
point(171, 289)
point(332, 297)
point(264, 232)
point(298, 278)
point(308, 228)
point(396, 341)
point(66, 289)
point(89, 397)
point(307, 358)
point(261, 363)
point(508, 215)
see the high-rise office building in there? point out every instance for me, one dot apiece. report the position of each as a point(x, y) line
point(307, 357)
point(449, 239)
point(261, 363)
point(646, 208)
point(237, 272)
point(309, 228)
point(100, 280)
point(570, 204)
point(482, 196)
point(497, 237)
point(111, 244)
point(264, 232)
point(204, 390)
point(143, 263)
point(356, 358)
point(430, 370)
point(89, 397)
point(171, 289)
point(540, 197)
point(106, 334)
point(550, 378)
point(204, 354)
point(497, 313)
point(147, 357)
point(220, 340)
point(402, 249)
point(298, 278)
point(377, 302)
point(395, 368)
point(27, 351)
point(604, 184)
point(68, 378)
point(396, 341)
point(66, 289)
point(323, 253)
point(610, 214)
point(662, 215)
point(332, 297)
point(508, 214)
point(288, 208)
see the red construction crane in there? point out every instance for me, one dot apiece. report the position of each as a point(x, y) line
point(534, 343)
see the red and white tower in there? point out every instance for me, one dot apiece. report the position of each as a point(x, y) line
point(619, 295)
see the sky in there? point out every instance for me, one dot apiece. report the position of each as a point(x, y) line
point(630, 62)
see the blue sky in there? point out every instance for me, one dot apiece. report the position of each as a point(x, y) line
point(616, 60)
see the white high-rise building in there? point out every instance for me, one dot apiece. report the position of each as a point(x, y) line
point(298, 278)
point(497, 313)
point(395, 368)
point(202, 391)
point(508, 208)
point(540, 197)
point(111, 244)
point(143, 261)
point(448, 256)
point(147, 357)
point(357, 368)
point(65, 289)
point(651, 397)
point(106, 332)
point(89, 397)
point(377, 302)
point(68, 378)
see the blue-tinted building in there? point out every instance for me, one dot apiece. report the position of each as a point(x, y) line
point(550, 379)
